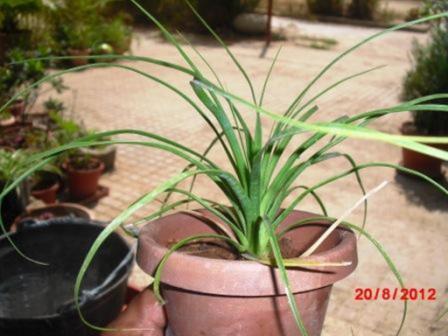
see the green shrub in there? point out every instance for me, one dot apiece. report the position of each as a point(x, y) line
point(116, 33)
point(363, 9)
point(429, 75)
point(326, 7)
point(10, 10)
point(176, 13)
point(82, 24)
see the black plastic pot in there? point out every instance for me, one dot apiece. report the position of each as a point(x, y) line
point(11, 207)
point(38, 300)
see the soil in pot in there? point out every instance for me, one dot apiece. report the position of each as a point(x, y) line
point(217, 296)
point(422, 163)
point(46, 190)
point(83, 175)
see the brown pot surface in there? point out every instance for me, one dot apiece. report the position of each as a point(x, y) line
point(83, 183)
point(77, 53)
point(235, 297)
point(47, 195)
point(422, 163)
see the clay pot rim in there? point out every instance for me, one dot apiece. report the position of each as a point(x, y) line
point(54, 186)
point(67, 167)
point(49, 207)
point(321, 256)
point(150, 253)
point(10, 121)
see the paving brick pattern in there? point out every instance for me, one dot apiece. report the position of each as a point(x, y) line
point(408, 217)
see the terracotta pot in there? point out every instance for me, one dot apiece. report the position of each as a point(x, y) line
point(83, 183)
point(79, 61)
point(216, 297)
point(107, 155)
point(18, 108)
point(47, 194)
point(55, 211)
point(422, 163)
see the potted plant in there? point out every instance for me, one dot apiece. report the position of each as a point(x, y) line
point(116, 34)
point(107, 154)
point(77, 24)
point(83, 175)
point(79, 44)
point(428, 76)
point(18, 73)
point(251, 265)
point(45, 186)
point(83, 171)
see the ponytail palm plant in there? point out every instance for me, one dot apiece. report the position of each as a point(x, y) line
point(264, 169)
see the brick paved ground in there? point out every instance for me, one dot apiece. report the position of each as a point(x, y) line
point(408, 217)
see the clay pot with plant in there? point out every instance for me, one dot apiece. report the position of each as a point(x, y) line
point(45, 185)
point(82, 171)
point(78, 40)
point(427, 78)
point(249, 263)
point(83, 175)
point(107, 154)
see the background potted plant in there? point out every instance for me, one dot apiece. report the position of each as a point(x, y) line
point(115, 33)
point(428, 76)
point(79, 26)
point(274, 246)
point(83, 171)
point(107, 154)
point(45, 185)
point(83, 175)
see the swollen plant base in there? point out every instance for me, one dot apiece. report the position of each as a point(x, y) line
point(216, 297)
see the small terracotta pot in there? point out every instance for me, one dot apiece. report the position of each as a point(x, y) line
point(422, 163)
point(77, 53)
point(18, 108)
point(216, 297)
point(107, 155)
point(83, 183)
point(47, 195)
